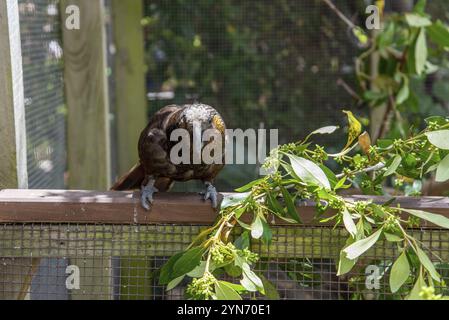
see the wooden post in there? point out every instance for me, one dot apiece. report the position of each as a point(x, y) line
point(131, 103)
point(86, 86)
point(13, 157)
point(131, 116)
point(88, 138)
point(14, 273)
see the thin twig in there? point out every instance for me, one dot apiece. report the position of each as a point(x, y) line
point(340, 14)
point(348, 89)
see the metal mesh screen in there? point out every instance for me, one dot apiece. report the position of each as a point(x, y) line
point(269, 64)
point(61, 261)
point(44, 92)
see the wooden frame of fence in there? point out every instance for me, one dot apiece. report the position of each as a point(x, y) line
point(62, 206)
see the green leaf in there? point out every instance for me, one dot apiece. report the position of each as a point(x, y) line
point(326, 130)
point(233, 270)
point(187, 262)
point(439, 139)
point(234, 200)
point(243, 241)
point(404, 92)
point(374, 95)
point(417, 288)
point(421, 52)
point(248, 284)
point(416, 20)
point(399, 273)
point(237, 287)
point(174, 283)
point(439, 33)
point(420, 6)
point(257, 228)
point(396, 162)
point(341, 184)
point(330, 175)
point(443, 170)
point(425, 261)
point(392, 237)
point(249, 185)
point(167, 270)
point(344, 264)
point(224, 291)
point(249, 277)
point(198, 272)
point(360, 247)
point(436, 219)
point(349, 223)
point(267, 233)
point(309, 172)
point(291, 208)
point(270, 290)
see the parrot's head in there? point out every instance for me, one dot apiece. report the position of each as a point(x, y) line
point(197, 118)
point(202, 116)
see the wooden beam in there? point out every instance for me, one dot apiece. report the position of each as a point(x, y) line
point(13, 155)
point(53, 206)
point(129, 79)
point(86, 86)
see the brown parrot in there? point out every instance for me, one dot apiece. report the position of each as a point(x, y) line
point(156, 170)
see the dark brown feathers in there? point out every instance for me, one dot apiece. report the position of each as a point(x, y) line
point(154, 148)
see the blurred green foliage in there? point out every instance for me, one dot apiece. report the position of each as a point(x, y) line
point(280, 64)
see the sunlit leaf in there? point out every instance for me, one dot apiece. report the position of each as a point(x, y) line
point(439, 139)
point(309, 172)
point(234, 199)
point(355, 129)
point(416, 20)
point(349, 223)
point(174, 283)
point(326, 130)
point(399, 273)
point(427, 263)
point(443, 170)
point(393, 166)
point(257, 228)
point(344, 264)
point(436, 219)
point(360, 247)
point(417, 288)
point(224, 291)
point(421, 52)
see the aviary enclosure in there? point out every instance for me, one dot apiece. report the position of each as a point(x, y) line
point(356, 210)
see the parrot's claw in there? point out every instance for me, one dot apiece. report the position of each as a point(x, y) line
point(211, 194)
point(147, 194)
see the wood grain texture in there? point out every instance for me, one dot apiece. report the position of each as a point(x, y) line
point(85, 73)
point(124, 207)
point(13, 157)
point(129, 72)
point(88, 128)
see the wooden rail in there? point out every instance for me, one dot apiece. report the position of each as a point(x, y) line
point(58, 206)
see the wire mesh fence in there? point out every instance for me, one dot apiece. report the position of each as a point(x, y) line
point(42, 56)
point(83, 261)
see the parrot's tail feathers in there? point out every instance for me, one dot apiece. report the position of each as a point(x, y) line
point(132, 180)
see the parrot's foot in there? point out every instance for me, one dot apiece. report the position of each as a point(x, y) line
point(211, 194)
point(147, 193)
